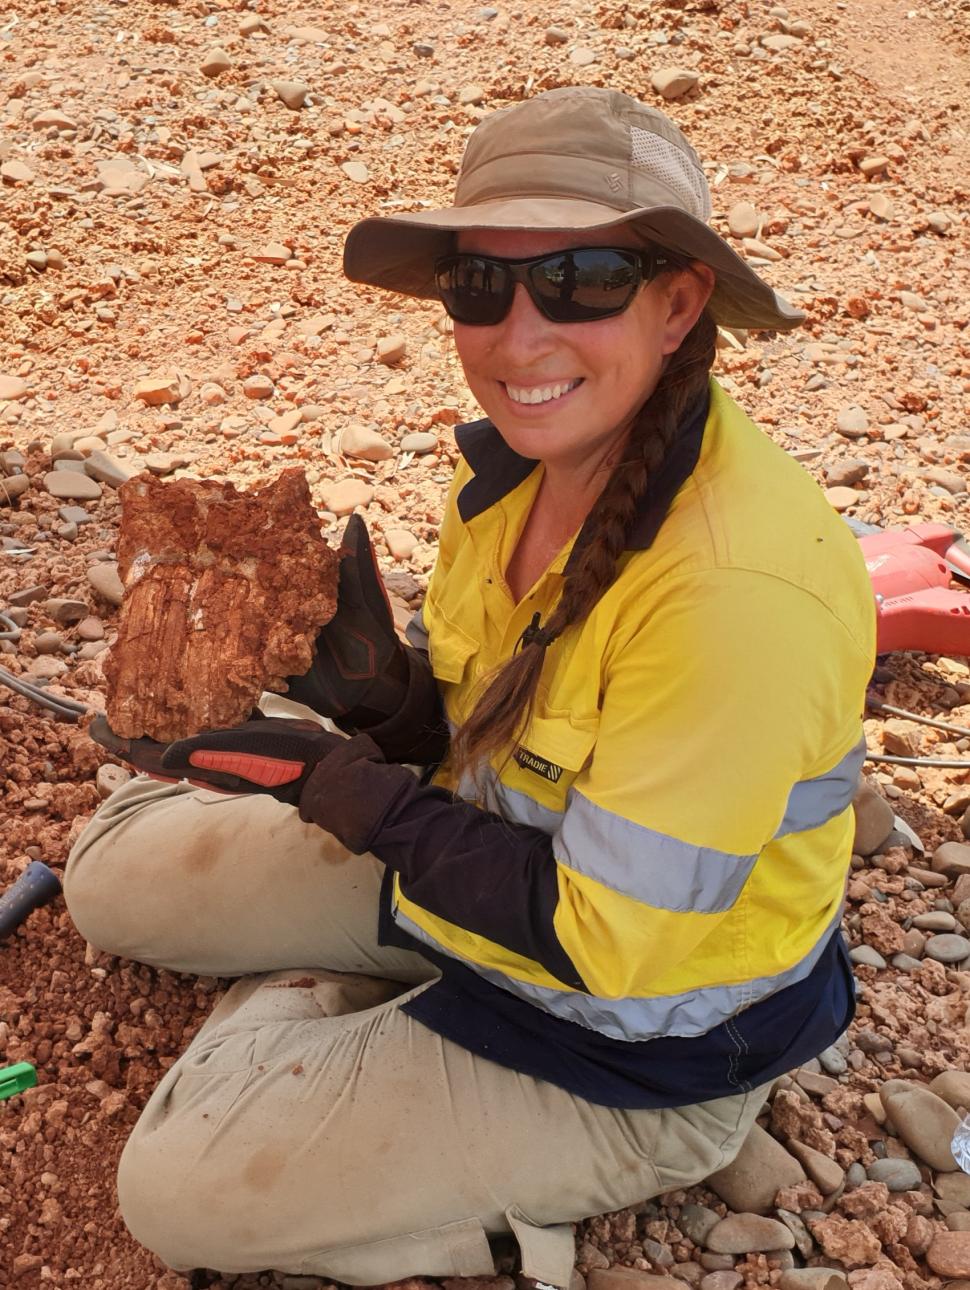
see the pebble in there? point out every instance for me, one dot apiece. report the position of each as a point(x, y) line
point(91, 649)
point(291, 93)
point(90, 629)
point(165, 463)
point(954, 1088)
point(825, 1173)
point(15, 172)
point(874, 819)
point(556, 36)
point(273, 253)
point(952, 859)
point(779, 43)
point(419, 442)
point(949, 1254)
point(157, 390)
point(48, 642)
point(812, 1279)
point(356, 170)
point(881, 206)
point(721, 1280)
point(72, 484)
point(400, 543)
point(108, 470)
point(696, 1222)
point(65, 611)
point(874, 165)
point(852, 421)
point(937, 920)
point(674, 82)
point(841, 499)
point(109, 778)
point(214, 61)
point(757, 1173)
point(947, 948)
point(866, 956)
point(26, 596)
point(361, 441)
point(391, 349)
point(924, 1121)
point(752, 246)
point(831, 1059)
point(897, 1174)
point(258, 387)
point(743, 220)
point(74, 515)
point(845, 473)
point(12, 387)
point(106, 581)
point(471, 95)
point(50, 117)
point(12, 487)
point(748, 1233)
point(346, 495)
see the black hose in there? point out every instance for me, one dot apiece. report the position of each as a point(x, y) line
point(66, 709)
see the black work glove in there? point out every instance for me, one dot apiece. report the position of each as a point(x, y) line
point(341, 785)
point(363, 676)
point(359, 666)
point(272, 755)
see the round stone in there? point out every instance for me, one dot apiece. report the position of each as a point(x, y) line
point(947, 948)
point(898, 1175)
point(419, 442)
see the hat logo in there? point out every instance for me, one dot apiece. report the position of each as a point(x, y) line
point(614, 181)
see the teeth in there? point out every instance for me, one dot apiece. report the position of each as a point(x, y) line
point(540, 393)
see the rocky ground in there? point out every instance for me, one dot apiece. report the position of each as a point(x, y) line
point(177, 179)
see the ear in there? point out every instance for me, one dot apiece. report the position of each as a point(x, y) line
point(688, 293)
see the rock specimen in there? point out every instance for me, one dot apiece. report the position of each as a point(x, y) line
point(224, 594)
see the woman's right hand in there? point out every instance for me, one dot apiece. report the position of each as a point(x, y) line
point(359, 662)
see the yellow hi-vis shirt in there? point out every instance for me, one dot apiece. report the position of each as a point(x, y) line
point(696, 741)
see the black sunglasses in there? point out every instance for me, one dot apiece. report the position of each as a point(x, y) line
point(581, 285)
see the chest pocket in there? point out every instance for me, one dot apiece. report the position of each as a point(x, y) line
point(551, 754)
point(450, 648)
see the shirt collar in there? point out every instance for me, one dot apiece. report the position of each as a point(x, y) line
point(499, 469)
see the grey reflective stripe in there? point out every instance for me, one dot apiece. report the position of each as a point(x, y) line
point(684, 1015)
point(654, 868)
point(516, 807)
point(416, 633)
point(814, 802)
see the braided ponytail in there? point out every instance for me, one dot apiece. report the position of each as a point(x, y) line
point(504, 708)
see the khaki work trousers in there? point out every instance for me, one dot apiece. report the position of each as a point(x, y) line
point(311, 1126)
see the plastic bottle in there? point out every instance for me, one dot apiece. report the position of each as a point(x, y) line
point(960, 1146)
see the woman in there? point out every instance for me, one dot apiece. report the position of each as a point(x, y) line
point(553, 975)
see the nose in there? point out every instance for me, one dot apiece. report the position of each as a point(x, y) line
point(524, 330)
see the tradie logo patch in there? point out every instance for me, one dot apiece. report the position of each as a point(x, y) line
point(538, 765)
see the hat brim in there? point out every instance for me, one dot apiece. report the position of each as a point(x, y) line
point(398, 252)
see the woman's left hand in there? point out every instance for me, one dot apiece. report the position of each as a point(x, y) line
point(274, 755)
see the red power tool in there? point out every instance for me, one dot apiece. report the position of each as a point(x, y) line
point(911, 571)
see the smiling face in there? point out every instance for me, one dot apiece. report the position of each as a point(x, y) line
point(566, 393)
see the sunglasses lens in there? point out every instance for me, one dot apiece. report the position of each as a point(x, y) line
point(585, 284)
point(474, 290)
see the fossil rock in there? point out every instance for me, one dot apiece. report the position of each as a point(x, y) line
point(224, 594)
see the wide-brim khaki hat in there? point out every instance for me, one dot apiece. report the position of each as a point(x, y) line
point(573, 158)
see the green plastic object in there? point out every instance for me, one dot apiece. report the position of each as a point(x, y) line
point(15, 1079)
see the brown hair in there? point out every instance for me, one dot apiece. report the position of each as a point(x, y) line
point(504, 707)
